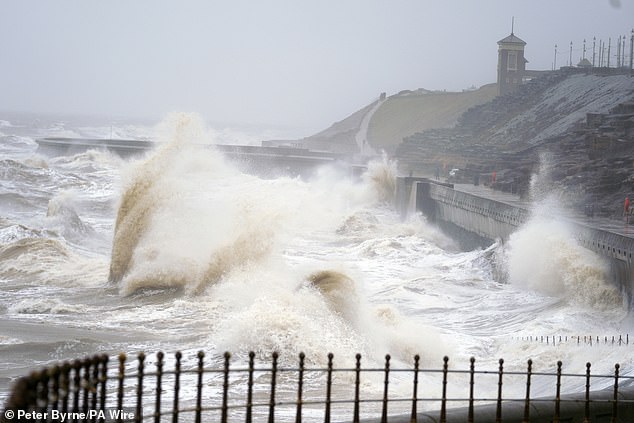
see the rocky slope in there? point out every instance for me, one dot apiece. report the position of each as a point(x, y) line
point(566, 130)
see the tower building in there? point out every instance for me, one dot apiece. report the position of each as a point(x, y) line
point(511, 63)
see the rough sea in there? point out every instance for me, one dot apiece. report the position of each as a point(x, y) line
point(179, 250)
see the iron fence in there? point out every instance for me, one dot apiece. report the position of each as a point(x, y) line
point(205, 389)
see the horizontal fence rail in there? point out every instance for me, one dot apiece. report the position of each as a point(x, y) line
point(612, 340)
point(202, 389)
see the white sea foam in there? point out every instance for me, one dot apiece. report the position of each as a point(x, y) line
point(189, 220)
point(44, 306)
point(543, 255)
point(206, 257)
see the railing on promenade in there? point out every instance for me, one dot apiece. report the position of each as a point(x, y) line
point(99, 388)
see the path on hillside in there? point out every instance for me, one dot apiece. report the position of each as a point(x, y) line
point(361, 138)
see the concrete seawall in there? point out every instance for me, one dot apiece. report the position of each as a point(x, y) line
point(265, 161)
point(476, 216)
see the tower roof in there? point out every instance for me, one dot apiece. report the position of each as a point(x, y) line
point(512, 39)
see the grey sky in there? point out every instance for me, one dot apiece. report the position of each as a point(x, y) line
point(298, 63)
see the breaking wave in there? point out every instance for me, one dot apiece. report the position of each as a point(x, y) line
point(172, 229)
point(189, 221)
point(61, 214)
point(544, 256)
point(382, 175)
point(48, 262)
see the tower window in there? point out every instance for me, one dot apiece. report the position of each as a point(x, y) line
point(512, 61)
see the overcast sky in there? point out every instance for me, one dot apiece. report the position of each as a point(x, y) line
point(302, 64)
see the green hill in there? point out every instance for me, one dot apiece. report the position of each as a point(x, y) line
point(397, 117)
point(407, 113)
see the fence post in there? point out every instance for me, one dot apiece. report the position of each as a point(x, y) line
point(65, 386)
point(558, 393)
point(177, 385)
point(199, 387)
point(443, 404)
point(54, 374)
point(616, 393)
point(328, 388)
point(94, 381)
point(250, 387)
point(42, 387)
point(76, 385)
point(300, 387)
point(386, 383)
point(273, 381)
point(120, 376)
point(159, 377)
point(415, 393)
point(86, 385)
point(527, 400)
point(471, 383)
point(225, 388)
point(357, 381)
point(586, 418)
point(139, 388)
point(103, 378)
point(498, 412)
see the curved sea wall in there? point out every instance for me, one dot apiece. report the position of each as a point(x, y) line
point(475, 220)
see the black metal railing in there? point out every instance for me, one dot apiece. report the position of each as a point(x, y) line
point(202, 388)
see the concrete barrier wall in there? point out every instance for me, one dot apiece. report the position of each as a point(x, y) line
point(475, 220)
point(485, 217)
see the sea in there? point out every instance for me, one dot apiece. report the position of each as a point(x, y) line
point(179, 249)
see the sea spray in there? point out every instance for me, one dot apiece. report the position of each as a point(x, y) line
point(338, 290)
point(63, 216)
point(544, 256)
point(403, 279)
point(231, 239)
point(382, 175)
point(142, 195)
point(183, 221)
point(49, 262)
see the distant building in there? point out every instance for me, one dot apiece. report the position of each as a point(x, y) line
point(511, 63)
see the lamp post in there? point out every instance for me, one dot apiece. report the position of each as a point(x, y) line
point(631, 52)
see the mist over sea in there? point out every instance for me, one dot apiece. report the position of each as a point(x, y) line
point(178, 250)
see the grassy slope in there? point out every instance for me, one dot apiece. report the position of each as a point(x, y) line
point(404, 115)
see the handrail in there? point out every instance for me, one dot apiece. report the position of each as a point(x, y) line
point(98, 388)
